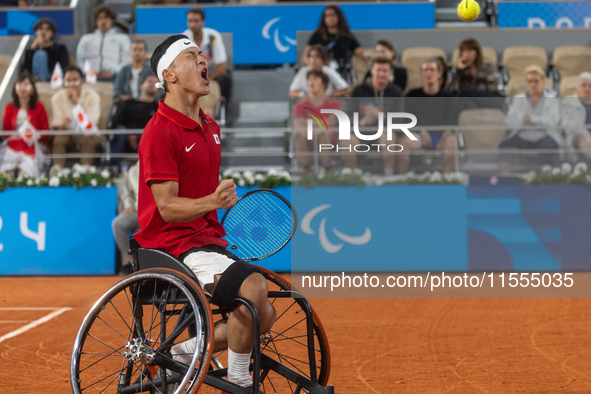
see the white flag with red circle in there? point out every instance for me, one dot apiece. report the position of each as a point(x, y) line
point(89, 72)
point(57, 78)
point(28, 133)
point(84, 120)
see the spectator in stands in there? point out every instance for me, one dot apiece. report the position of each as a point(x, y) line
point(536, 107)
point(63, 104)
point(134, 114)
point(333, 32)
point(385, 48)
point(45, 3)
point(374, 99)
point(14, 3)
point(317, 84)
point(131, 76)
point(20, 149)
point(127, 222)
point(106, 49)
point(211, 44)
point(431, 105)
point(41, 58)
point(576, 113)
point(472, 76)
point(317, 60)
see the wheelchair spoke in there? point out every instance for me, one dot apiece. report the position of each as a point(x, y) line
point(177, 331)
point(272, 386)
point(286, 338)
point(148, 333)
point(102, 354)
point(109, 384)
point(290, 327)
point(106, 344)
point(277, 339)
point(115, 374)
point(282, 357)
point(281, 361)
point(167, 320)
point(117, 310)
point(285, 311)
point(108, 325)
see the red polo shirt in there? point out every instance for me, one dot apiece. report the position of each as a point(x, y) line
point(175, 148)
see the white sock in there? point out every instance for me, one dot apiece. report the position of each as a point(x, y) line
point(183, 351)
point(238, 366)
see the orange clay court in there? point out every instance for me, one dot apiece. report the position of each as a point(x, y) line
point(377, 345)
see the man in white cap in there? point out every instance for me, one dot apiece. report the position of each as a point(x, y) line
point(180, 155)
point(576, 113)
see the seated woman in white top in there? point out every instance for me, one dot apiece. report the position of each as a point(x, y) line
point(317, 60)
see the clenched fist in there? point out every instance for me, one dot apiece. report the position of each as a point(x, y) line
point(226, 194)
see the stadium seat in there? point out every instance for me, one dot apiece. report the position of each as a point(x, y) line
point(489, 54)
point(572, 60)
point(483, 139)
point(4, 63)
point(45, 92)
point(517, 85)
point(568, 85)
point(105, 91)
point(516, 59)
point(412, 59)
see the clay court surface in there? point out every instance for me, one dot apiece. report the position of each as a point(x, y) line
point(377, 345)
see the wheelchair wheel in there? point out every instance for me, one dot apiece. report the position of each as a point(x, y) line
point(125, 342)
point(287, 342)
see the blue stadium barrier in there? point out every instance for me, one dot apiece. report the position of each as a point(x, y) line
point(267, 34)
point(64, 231)
point(57, 231)
point(442, 228)
point(18, 22)
point(545, 14)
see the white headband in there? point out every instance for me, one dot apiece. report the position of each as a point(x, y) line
point(171, 53)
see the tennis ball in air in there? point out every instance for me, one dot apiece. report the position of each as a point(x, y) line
point(468, 10)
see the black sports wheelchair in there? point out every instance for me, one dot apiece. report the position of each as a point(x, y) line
point(124, 344)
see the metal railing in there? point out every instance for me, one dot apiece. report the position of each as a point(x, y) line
point(464, 155)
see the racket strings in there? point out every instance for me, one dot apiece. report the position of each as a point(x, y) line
point(259, 225)
point(257, 215)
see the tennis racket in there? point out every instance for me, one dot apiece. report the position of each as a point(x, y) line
point(260, 224)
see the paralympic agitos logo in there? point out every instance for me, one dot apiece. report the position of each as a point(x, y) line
point(344, 133)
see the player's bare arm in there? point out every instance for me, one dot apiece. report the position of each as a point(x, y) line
point(175, 209)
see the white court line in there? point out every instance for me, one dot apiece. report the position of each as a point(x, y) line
point(34, 323)
point(14, 321)
point(32, 308)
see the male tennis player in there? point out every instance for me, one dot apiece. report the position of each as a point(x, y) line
point(180, 156)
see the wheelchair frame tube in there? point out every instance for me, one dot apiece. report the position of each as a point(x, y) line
point(256, 345)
